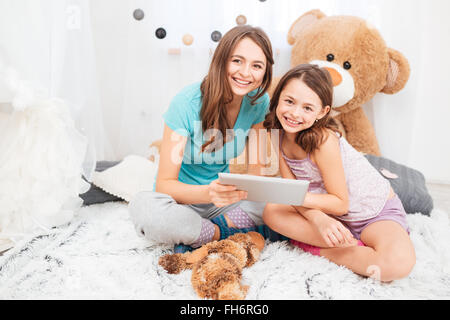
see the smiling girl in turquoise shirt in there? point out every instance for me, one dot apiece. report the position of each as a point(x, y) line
point(206, 125)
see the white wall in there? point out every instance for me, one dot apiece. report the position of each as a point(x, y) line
point(430, 137)
point(412, 125)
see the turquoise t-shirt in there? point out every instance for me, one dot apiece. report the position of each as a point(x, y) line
point(183, 117)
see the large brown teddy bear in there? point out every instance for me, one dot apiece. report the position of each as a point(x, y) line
point(359, 62)
point(217, 266)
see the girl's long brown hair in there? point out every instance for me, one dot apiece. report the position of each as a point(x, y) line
point(215, 89)
point(318, 80)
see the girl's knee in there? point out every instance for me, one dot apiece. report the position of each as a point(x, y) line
point(269, 212)
point(145, 213)
point(273, 213)
point(395, 265)
point(139, 205)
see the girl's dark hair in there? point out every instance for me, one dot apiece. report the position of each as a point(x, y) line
point(318, 80)
point(216, 91)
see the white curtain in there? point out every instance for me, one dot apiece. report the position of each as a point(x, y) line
point(119, 78)
point(49, 43)
point(25, 40)
point(73, 72)
point(45, 52)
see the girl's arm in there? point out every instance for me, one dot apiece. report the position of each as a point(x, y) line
point(329, 161)
point(172, 150)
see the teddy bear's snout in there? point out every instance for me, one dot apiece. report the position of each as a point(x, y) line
point(335, 76)
point(343, 83)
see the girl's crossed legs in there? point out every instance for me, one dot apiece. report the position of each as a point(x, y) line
point(388, 253)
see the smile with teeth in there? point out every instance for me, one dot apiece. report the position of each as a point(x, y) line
point(292, 122)
point(242, 82)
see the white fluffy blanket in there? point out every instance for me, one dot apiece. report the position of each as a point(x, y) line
point(99, 256)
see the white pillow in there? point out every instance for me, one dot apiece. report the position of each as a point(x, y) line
point(126, 179)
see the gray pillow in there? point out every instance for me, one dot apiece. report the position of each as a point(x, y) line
point(409, 186)
point(95, 194)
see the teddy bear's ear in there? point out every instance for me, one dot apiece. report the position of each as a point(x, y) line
point(398, 72)
point(305, 20)
point(173, 263)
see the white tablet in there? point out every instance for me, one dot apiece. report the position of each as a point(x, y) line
point(268, 189)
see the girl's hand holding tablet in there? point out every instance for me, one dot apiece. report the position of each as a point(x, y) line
point(222, 195)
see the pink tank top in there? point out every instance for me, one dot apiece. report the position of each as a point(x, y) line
point(368, 189)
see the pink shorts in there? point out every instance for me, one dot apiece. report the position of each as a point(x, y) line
point(393, 210)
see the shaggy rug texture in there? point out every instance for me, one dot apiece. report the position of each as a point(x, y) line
point(98, 255)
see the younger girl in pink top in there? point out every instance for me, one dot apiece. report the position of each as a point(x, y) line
point(350, 214)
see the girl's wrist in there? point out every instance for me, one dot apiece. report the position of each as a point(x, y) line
point(310, 214)
point(318, 217)
point(315, 216)
point(206, 193)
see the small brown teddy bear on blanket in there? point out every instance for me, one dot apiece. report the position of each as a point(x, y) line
point(217, 266)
